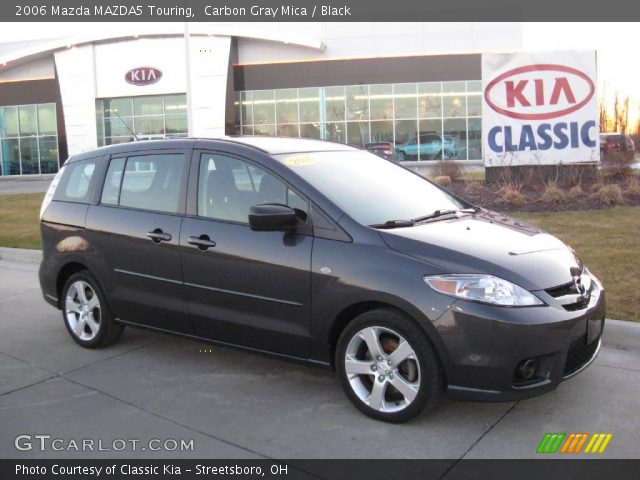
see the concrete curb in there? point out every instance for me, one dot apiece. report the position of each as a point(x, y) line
point(622, 333)
point(20, 255)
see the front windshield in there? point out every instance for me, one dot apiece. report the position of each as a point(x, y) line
point(368, 188)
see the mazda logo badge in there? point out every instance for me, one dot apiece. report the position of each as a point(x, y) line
point(580, 287)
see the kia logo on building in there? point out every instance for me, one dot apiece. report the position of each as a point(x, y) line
point(539, 92)
point(143, 76)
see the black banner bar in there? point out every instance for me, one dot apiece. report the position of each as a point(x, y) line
point(544, 468)
point(317, 10)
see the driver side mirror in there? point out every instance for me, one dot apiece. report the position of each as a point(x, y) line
point(272, 217)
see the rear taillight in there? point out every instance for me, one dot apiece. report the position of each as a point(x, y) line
point(51, 191)
point(387, 152)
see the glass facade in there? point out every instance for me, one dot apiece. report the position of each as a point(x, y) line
point(149, 117)
point(426, 121)
point(28, 139)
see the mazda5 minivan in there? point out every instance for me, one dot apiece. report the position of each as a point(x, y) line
point(322, 253)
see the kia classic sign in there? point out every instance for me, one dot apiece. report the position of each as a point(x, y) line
point(142, 76)
point(539, 108)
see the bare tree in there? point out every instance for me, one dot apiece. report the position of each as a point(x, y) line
point(603, 112)
point(616, 111)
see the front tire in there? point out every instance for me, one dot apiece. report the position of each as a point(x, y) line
point(86, 313)
point(388, 367)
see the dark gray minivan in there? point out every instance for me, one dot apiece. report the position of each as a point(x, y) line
point(318, 252)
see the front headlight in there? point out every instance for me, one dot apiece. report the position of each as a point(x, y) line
point(482, 288)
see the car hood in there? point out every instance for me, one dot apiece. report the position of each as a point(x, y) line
point(490, 243)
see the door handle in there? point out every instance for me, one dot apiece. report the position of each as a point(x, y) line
point(158, 236)
point(203, 242)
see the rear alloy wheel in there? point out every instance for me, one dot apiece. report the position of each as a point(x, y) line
point(388, 368)
point(86, 313)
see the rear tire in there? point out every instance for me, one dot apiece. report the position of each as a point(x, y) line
point(388, 367)
point(86, 313)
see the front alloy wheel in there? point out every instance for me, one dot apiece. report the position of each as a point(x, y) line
point(388, 367)
point(383, 369)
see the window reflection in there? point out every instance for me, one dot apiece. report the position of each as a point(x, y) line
point(358, 133)
point(264, 110)
point(287, 105)
point(334, 100)
point(357, 102)
point(380, 98)
point(404, 100)
point(453, 99)
point(427, 120)
point(28, 139)
point(290, 130)
point(309, 99)
point(120, 120)
point(429, 100)
point(310, 130)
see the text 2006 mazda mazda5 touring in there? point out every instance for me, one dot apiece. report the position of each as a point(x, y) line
point(320, 252)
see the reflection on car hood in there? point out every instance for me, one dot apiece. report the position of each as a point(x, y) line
point(489, 243)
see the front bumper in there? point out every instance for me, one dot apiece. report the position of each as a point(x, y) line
point(486, 344)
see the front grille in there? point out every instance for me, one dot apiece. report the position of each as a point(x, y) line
point(572, 307)
point(579, 354)
point(570, 294)
point(566, 289)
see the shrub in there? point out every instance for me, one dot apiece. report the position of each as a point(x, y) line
point(609, 195)
point(443, 180)
point(553, 194)
point(595, 187)
point(575, 191)
point(449, 168)
point(511, 195)
point(633, 187)
point(617, 164)
point(474, 187)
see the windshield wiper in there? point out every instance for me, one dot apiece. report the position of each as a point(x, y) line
point(410, 223)
point(442, 213)
point(394, 224)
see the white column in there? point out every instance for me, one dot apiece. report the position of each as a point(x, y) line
point(76, 76)
point(208, 67)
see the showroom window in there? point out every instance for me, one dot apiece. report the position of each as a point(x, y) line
point(148, 117)
point(430, 120)
point(28, 139)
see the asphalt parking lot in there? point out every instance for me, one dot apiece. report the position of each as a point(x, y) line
point(240, 405)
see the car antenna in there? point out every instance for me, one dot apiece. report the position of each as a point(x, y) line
point(112, 110)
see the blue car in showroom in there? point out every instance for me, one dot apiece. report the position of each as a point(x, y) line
point(430, 146)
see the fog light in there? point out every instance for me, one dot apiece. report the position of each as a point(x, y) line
point(526, 369)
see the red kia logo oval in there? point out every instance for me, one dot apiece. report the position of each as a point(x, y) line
point(143, 76)
point(539, 92)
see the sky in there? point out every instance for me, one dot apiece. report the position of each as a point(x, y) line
point(616, 44)
point(618, 59)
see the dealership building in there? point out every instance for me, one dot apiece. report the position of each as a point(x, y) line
point(355, 83)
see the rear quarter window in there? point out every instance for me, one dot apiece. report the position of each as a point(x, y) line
point(145, 182)
point(76, 183)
